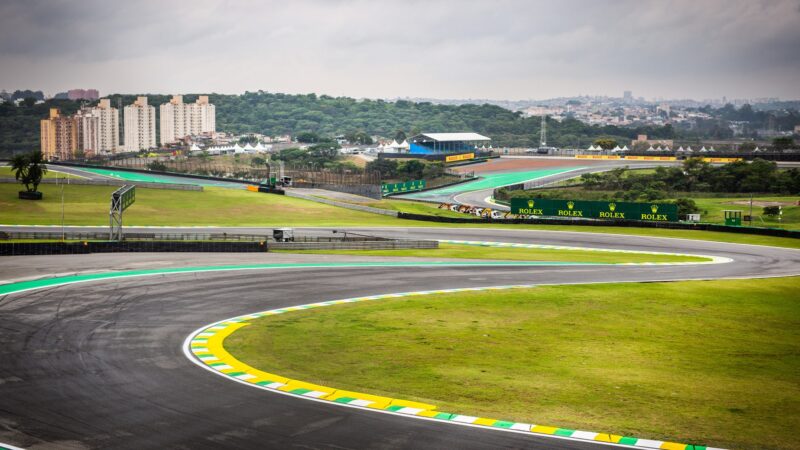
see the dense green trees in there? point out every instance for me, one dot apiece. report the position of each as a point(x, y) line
point(311, 117)
point(413, 169)
point(606, 143)
point(697, 176)
point(358, 137)
point(19, 125)
point(782, 143)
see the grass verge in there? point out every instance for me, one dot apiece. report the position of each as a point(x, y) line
point(513, 254)
point(711, 362)
point(88, 205)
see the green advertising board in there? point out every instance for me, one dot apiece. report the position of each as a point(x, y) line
point(607, 210)
point(408, 186)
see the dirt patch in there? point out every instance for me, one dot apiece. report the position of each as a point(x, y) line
point(358, 161)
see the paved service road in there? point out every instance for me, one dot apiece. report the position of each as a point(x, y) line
point(100, 364)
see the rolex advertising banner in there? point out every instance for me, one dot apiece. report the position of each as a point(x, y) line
point(408, 186)
point(609, 210)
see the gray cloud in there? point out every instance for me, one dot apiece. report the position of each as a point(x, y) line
point(446, 48)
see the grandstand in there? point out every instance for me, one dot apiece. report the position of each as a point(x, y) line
point(437, 143)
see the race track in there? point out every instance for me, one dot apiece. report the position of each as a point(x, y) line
point(507, 171)
point(101, 364)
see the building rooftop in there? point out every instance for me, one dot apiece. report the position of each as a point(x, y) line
point(449, 137)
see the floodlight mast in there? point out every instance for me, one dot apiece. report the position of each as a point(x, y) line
point(543, 137)
point(121, 199)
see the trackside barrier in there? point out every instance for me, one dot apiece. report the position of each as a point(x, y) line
point(776, 232)
point(129, 236)
point(652, 158)
point(721, 160)
point(354, 245)
point(70, 248)
point(597, 157)
point(114, 182)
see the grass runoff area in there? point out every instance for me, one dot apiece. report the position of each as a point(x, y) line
point(705, 362)
point(514, 254)
point(88, 205)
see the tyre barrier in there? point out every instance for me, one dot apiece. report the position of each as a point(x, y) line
point(775, 232)
point(74, 248)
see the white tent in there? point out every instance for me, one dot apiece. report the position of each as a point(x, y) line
point(711, 149)
point(651, 149)
point(703, 150)
point(591, 148)
point(405, 144)
point(195, 148)
point(689, 149)
point(238, 149)
point(624, 148)
point(680, 149)
point(616, 149)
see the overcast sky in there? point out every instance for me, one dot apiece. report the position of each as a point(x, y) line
point(443, 49)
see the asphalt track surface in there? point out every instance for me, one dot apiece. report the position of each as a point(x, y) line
point(101, 364)
point(572, 168)
point(104, 174)
point(566, 169)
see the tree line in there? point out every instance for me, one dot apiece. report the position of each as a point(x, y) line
point(695, 175)
point(275, 114)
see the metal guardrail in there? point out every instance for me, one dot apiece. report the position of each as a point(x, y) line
point(344, 236)
point(387, 244)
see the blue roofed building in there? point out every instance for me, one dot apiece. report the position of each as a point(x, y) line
point(438, 143)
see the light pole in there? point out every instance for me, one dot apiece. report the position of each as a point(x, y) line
point(62, 209)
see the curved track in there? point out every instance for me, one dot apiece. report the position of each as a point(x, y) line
point(100, 364)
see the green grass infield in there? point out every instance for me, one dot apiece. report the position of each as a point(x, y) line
point(707, 362)
point(88, 205)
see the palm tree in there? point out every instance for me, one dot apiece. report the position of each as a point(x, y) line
point(36, 169)
point(19, 165)
point(29, 170)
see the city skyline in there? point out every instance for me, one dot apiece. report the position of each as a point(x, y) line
point(443, 49)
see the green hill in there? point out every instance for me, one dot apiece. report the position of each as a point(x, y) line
point(277, 114)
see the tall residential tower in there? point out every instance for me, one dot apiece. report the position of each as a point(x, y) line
point(179, 119)
point(99, 128)
point(140, 126)
point(59, 136)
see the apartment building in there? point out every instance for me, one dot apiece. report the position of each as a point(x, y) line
point(140, 126)
point(179, 119)
point(59, 136)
